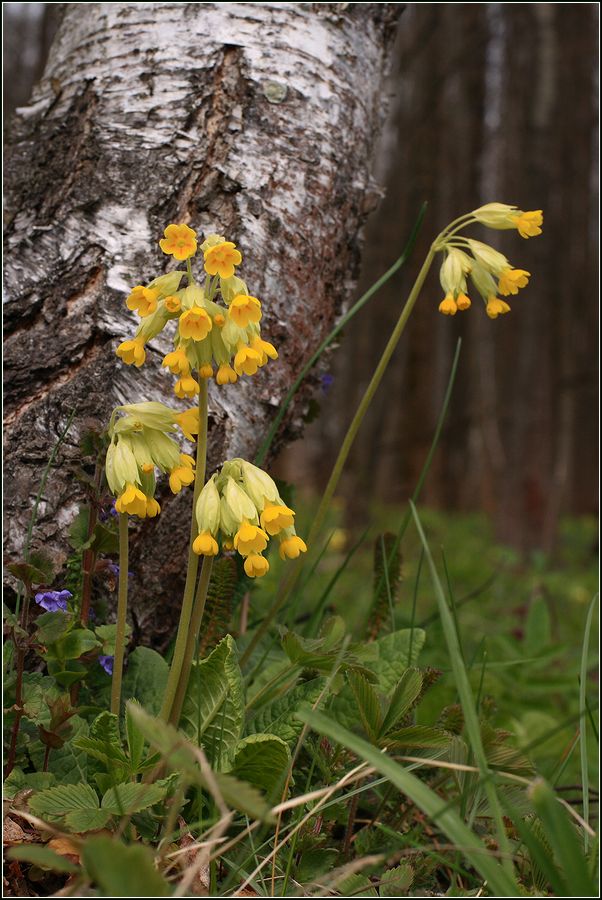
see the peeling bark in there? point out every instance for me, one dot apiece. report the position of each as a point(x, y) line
point(253, 120)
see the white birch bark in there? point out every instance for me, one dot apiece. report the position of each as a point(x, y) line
point(255, 120)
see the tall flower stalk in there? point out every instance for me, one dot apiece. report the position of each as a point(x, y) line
point(122, 603)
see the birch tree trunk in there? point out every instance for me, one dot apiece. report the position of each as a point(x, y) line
point(255, 120)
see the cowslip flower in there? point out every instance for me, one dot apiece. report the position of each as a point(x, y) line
point(143, 300)
point(177, 362)
point(291, 547)
point(186, 387)
point(226, 375)
point(221, 259)
point(179, 241)
point(53, 601)
point(503, 216)
point(511, 280)
point(182, 474)
point(496, 307)
point(189, 422)
point(132, 352)
point(195, 323)
point(246, 361)
point(244, 309)
point(256, 565)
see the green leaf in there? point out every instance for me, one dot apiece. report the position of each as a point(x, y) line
point(386, 582)
point(145, 679)
point(218, 606)
point(81, 820)
point(68, 764)
point(125, 799)
point(63, 799)
point(356, 885)
point(38, 569)
point(39, 691)
point(279, 718)
point(213, 711)
point(43, 857)
point(262, 760)
point(135, 739)
point(106, 634)
point(538, 629)
point(104, 540)
point(389, 656)
point(367, 704)
point(562, 836)
point(76, 643)
point(180, 755)
point(103, 752)
point(78, 531)
point(404, 697)
point(51, 626)
point(447, 819)
point(121, 871)
point(20, 781)
point(417, 737)
point(396, 882)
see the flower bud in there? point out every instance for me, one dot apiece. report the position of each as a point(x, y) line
point(208, 508)
point(167, 284)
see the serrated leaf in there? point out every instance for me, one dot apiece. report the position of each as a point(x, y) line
point(417, 736)
point(103, 752)
point(107, 634)
point(63, 799)
point(38, 692)
point(403, 698)
point(213, 710)
point(51, 626)
point(19, 781)
point(396, 882)
point(356, 885)
point(389, 656)
point(124, 799)
point(386, 582)
point(367, 704)
point(81, 820)
point(146, 679)
point(262, 760)
point(279, 718)
point(43, 857)
point(121, 871)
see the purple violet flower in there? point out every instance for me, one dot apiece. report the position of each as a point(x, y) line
point(327, 382)
point(114, 568)
point(107, 663)
point(52, 601)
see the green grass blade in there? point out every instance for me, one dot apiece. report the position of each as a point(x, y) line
point(583, 721)
point(426, 799)
point(462, 683)
point(261, 454)
point(563, 838)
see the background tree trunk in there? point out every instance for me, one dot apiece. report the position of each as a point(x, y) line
point(253, 120)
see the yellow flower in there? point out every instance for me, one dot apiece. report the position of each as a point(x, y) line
point(463, 301)
point(529, 223)
point(132, 352)
point(291, 547)
point(142, 299)
point(448, 306)
point(189, 422)
point(152, 508)
point(226, 375)
point(177, 362)
point(496, 307)
point(179, 241)
point(132, 501)
point(186, 387)
point(511, 280)
point(219, 319)
point(221, 259)
point(265, 349)
point(246, 361)
point(205, 544)
point(245, 309)
point(206, 371)
point(172, 304)
point(250, 539)
point(195, 324)
point(256, 566)
point(182, 474)
point(276, 517)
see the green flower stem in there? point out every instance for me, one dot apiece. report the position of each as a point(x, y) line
point(291, 580)
point(193, 560)
point(122, 606)
point(193, 633)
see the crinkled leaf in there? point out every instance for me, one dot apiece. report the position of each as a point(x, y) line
point(356, 885)
point(389, 656)
point(121, 871)
point(417, 736)
point(38, 692)
point(396, 882)
point(279, 718)
point(213, 711)
point(367, 704)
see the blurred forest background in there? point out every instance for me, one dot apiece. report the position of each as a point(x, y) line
point(487, 102)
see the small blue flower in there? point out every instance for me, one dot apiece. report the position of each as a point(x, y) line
point(52, 601)
point(114, 568)
point(107, 663)
point(327, 382)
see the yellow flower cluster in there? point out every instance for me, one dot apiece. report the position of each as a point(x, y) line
point(140, 443)
point(488, 269)
point(242, 503)
point(218, 322)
